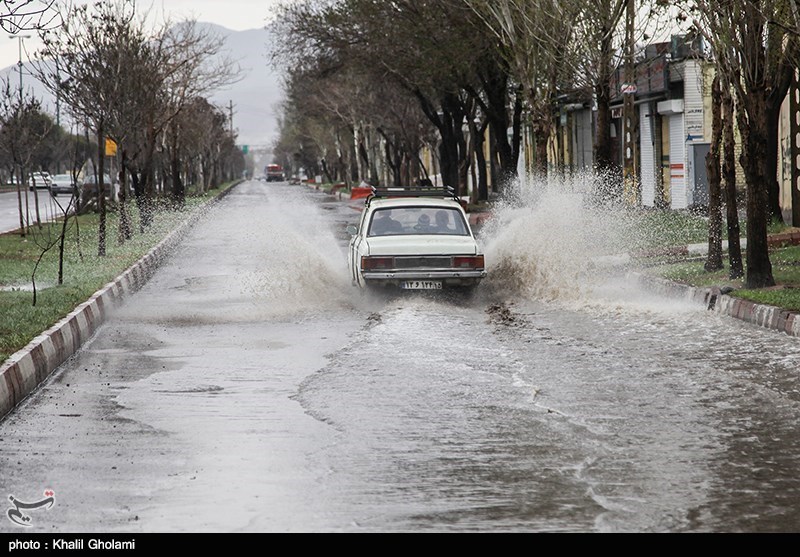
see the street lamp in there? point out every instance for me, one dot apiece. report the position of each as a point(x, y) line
point(19, 63)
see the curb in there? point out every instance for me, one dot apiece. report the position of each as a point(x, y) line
point(29, 367)
point(769, 317)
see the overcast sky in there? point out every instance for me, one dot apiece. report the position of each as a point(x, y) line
point(233, 14)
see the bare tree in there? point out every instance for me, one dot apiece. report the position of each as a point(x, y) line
point(736, 269)
point(82, 63)
point(439, 52)
point(539, 48)
point(28, 15)
point(191, 65)
point(714, 258)
point(24, 128)
point(129, 84)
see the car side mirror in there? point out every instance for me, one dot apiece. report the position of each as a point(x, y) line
point(352, 229)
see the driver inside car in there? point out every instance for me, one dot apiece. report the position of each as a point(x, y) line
point(443, 222)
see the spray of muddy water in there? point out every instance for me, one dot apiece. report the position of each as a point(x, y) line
point(558, 241)
point(260, 254)
point(303, 265)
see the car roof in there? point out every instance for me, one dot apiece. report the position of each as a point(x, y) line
point(392, 202)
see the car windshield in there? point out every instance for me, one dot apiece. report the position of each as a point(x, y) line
point(400, 221)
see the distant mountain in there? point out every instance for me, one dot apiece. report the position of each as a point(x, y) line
point(255, 97)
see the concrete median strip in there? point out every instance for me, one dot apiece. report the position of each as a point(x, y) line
point(26, 369)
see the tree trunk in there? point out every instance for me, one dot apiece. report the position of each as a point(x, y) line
point(178, 188)
point(146, 201)
point(771, 164)
point(101, 193)
point(714, 259)
point(774, 102)
point(464, 155)
point(753, 128)
point(35, 202)
point(541, 132)
point(505, 148)
point(480, 161)
point(602, 149)
point(448, 147)
point(22, 210)
point(125, 230)
point(736, 270)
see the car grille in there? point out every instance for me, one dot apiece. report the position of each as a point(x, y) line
point(423, 262)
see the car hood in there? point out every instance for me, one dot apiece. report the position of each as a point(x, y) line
point(422, 245)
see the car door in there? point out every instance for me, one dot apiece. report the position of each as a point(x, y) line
point(353, 254)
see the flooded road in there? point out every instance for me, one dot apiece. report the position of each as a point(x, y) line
point(248, 387)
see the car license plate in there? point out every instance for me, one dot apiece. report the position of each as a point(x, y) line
point(421, 285)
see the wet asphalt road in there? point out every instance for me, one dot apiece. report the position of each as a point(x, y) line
point(49, 207)
point(248, 387)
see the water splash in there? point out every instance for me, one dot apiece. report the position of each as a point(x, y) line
point(302, 264)
point(564, 240)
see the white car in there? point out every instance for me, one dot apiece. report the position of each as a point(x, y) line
point(414, 239)
point(62, 183)
point(39, 180)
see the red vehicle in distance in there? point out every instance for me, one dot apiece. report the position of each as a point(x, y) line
point(274, 173)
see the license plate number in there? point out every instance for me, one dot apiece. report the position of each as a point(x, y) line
point(421, 285)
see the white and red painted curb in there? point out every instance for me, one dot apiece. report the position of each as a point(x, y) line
point(26, 369)
point(763, 315)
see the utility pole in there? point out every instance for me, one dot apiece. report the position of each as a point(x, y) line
point(230, 111)
point(630, 185)
point(19, 62)
point(58, 94)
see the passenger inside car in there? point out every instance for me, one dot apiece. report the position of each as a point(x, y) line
point(384, 224)
point(423, 223)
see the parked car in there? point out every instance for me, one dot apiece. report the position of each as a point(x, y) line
point(89, 187)
point(39, 180)
point(414, 239)
point(62, 183)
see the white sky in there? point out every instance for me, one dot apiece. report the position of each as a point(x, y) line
point(237, 15)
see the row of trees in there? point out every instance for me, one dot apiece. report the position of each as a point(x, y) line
point(413, 72)
point(122, 78)
point(374, 81)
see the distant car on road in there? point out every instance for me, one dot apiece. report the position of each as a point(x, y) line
point(39, 181)
point(62, 183)
point(414, 239)
point(274, 173)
